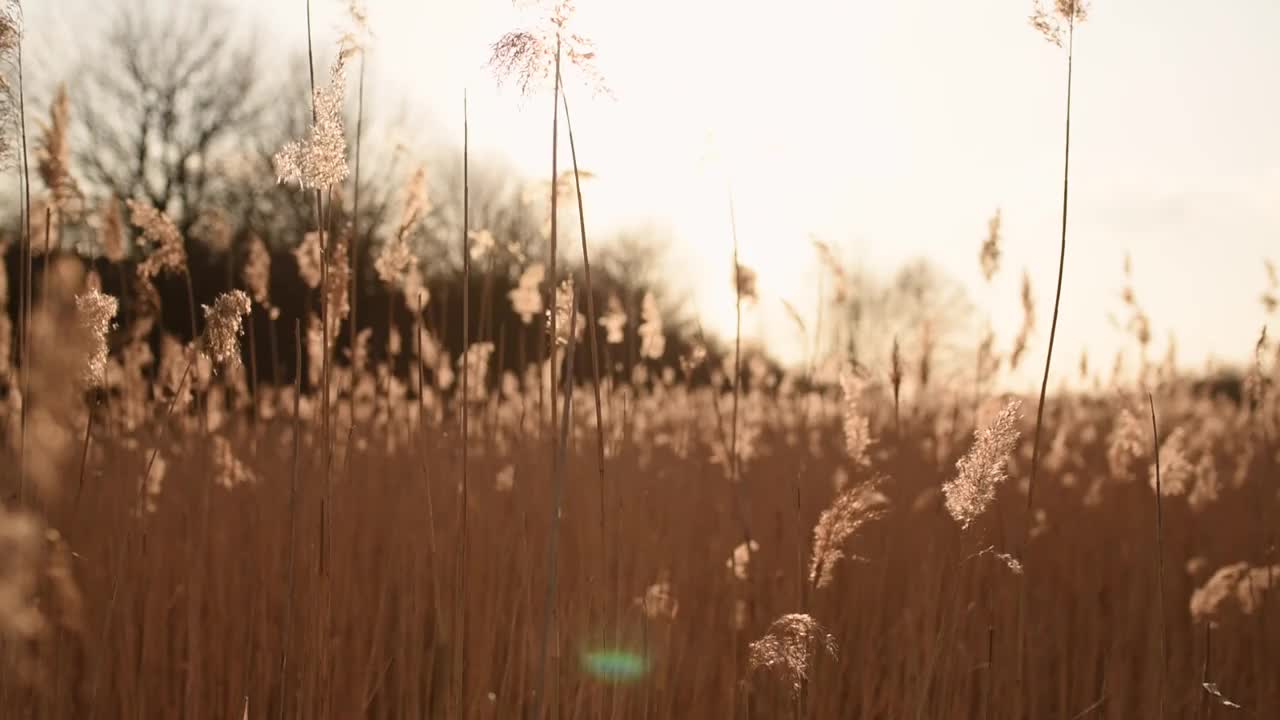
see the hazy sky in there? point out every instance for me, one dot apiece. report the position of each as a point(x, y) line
point(892, 130)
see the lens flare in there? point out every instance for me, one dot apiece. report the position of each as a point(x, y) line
point(615, 666)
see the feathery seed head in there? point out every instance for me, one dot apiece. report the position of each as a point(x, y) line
point(658, 602)
point(1049, 23)
point(310, 257)
point(168, 254)
point(257, 271)
point(53, 156)
point(980, 472)
point(790, 648)
point(528, 56)
point(394, 261)
point(526, 300)
point(223, 327)
point(857, 426)
point(744, 282)
point(851, 510)
point(989, 257)
point(1234, 590)
point(96, 311)
point(320, 159)
point(111, 230)
point(564, 306)
point(740, 560)
point(614, 321)
point(653, 342)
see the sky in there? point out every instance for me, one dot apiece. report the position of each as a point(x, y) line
point(892, 130)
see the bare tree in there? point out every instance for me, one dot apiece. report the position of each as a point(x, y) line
point(167, 97)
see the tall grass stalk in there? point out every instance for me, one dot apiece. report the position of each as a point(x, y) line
point(27, 295)
point(287, 629)
point(593, 334)
point(549, 613)
point(460, 626)
point(591, 329)
point(353, 325)
point(1048, 360)
point(1160, 613)
point(551, 244)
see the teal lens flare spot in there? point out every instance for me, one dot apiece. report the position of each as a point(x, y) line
point(616, 666)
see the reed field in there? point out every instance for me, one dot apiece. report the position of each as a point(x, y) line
point(308, 470)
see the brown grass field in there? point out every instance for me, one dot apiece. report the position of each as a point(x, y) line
point(395, 531)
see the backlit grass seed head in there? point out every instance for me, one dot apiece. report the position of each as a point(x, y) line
point(214, 229)
point(526, 299)
point(110, 229)
point(989, 256)
point(564, 306)
point(11, 28)
point(744, 282)
point(1176, 470)
point(310, 257)
point(320, 159)
point(96, 311)
point(790, 649)
point(857, 426)
point(224, 326)
point(417, 203)
point(658, 602)
point(393, 263)
point(53, 156)
point(505, 480)
point(1053, 24)
point(475, 363)
point(1023, 339)
point(693, 358)
point(849, 513)
point(416, 293)
point(338, 293)
point(614, 321)
point(739, 561)
point(527, 57)
point(228, 470)
point(1234, 590)
point(1271, 297)
point(653, 343)
point(167, 252)
point(21, 544)
point(980, 472)
point(257, 271)
point(1127, 443)
point(482, 243)
point(828, 259)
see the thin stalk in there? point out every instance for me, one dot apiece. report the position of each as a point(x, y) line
point(191, 304)
point(1057, 299)
point(558, 484)
point(591, 318)
point(354, 294)
point(1048, 362)
point(737, 342)
point(293, 491)
point(48, 253)
point(1164, 633)
point(461, 605)
point(84, 451)
point(1205, 707)
point(253, 368)
point(737, 361)
point(26, 286)
point(164, 424)
point(324, 316)
point(551, 248)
